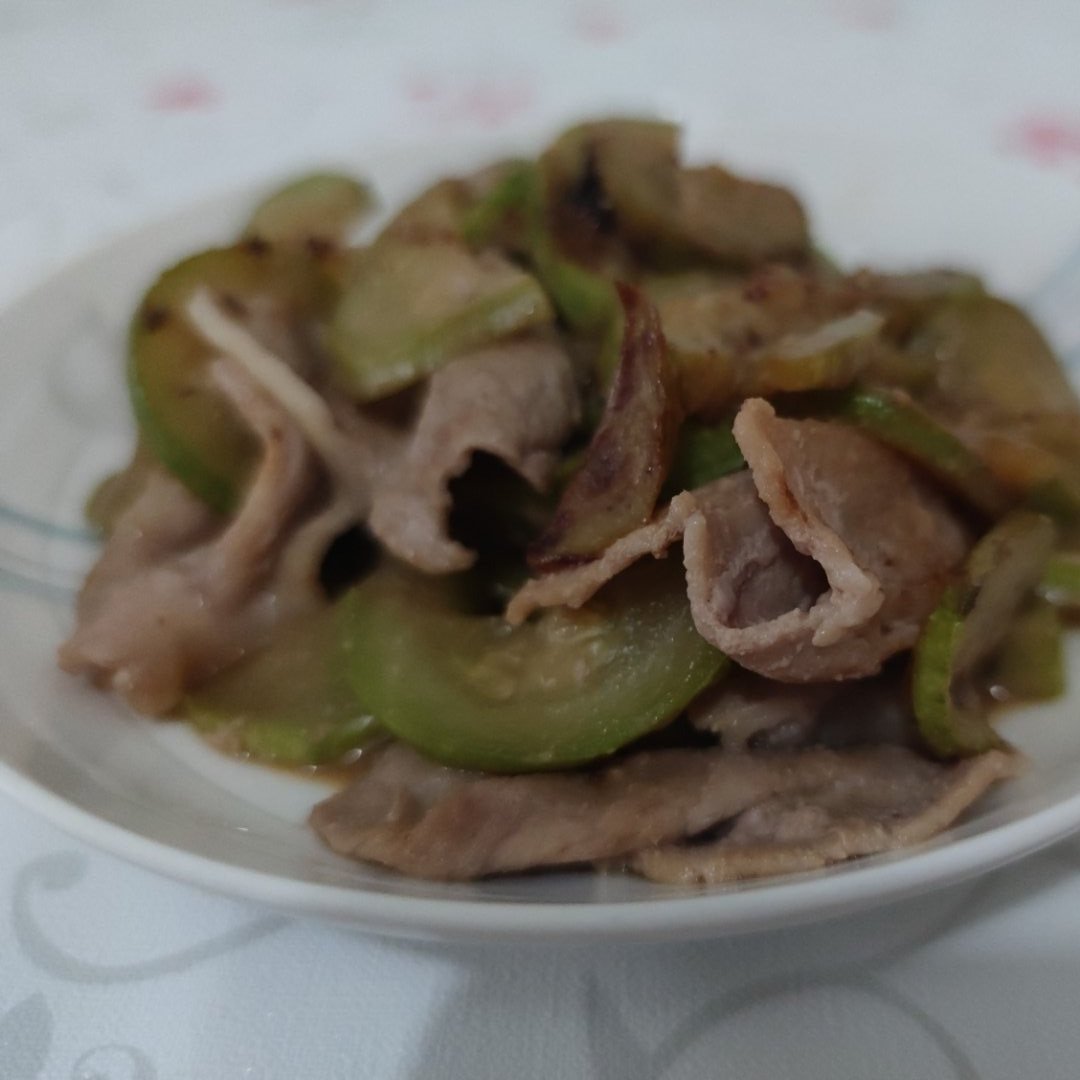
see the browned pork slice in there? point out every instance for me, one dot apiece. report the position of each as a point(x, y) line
point(517, 401)
point(174, 597)
point(817, 565)
point(884, 539)
point(427, 820)
point(866, 802)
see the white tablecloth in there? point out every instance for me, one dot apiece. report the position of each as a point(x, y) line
point(112, 112)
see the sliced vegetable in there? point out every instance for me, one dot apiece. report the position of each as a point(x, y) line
point(896, 421)
point(448, 208)
point(967, 628)
point(624, 176)
point(321, 207)
point(437, 211)
point(519, 213)
point(627, 168)
point(499, 215)
point(831, 355)
point(567, 688)
point(182, 417)
point(411, 307)
point(989, 354)
point(662, 288)
point(736, 220)
point(515, 215)
point(1031, 460)
point(703, 453)
point(290, 704)
point(708, 330)
point(584, 299)
point(1061, 580)
point(630, 454)
point(910, 298)
point(783, 330)
point(1060, 498)
point(1030, 666)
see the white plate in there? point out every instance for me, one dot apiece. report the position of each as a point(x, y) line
point(153, 793)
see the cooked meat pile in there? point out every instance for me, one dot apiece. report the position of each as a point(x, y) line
point(464, 461)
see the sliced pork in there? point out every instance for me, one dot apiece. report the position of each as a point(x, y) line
point(573, 586)
point(174, 599)
point(427, 820)
point(517, 401)
point(861, 802)
point(745, 711)
point(885, 540)
point(164, 520)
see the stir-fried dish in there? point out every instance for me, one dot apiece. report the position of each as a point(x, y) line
point(587, 514)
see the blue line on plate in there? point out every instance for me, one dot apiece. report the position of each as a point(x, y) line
point(33, 570)
point(10, 581)
point(46, 528)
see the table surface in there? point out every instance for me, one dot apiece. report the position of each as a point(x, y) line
point(114, 112)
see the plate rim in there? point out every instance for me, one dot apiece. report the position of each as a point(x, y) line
point(794, 900)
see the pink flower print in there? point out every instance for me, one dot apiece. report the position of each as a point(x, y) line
point(487, 102)
point(873, 15)
point(1046, 139)
point(183, 93)
point(599, 25)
